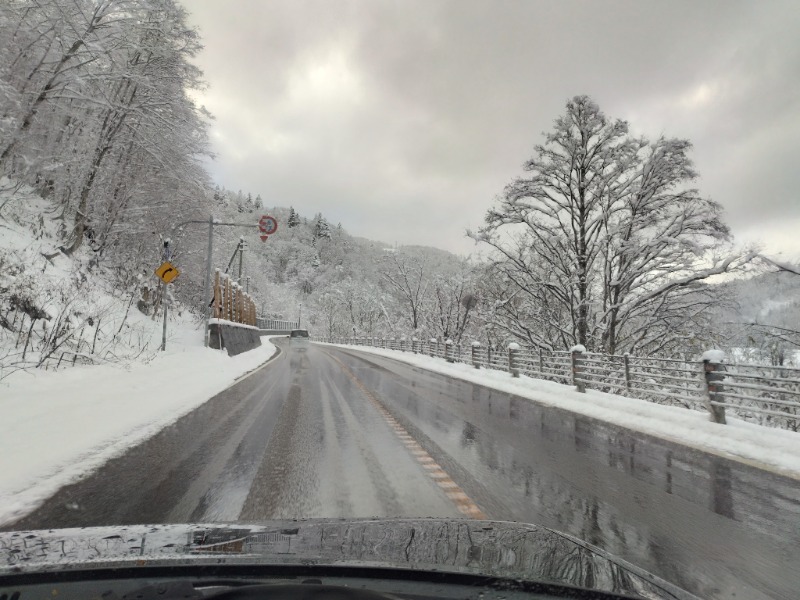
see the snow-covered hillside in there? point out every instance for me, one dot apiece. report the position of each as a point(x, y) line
point(57, 311)
point(760, 322)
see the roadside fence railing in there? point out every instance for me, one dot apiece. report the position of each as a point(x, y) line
point(762, 394)
point(231, 302)
point(276, 324)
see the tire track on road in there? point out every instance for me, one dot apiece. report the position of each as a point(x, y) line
point(451, 489)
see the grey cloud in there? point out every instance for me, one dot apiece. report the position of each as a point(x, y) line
point(403, 120)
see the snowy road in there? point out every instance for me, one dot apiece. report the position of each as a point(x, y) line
point(333, 433)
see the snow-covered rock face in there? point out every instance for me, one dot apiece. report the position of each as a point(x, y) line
point(713, 356)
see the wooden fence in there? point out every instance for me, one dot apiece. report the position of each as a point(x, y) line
point(231, 302)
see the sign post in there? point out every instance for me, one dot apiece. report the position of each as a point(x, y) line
point(167, 273)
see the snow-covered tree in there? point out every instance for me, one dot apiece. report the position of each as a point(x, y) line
point(604, 244)
point(321, 227)
point(406, 275)
point(454, 299)
point(96, 111)
point(294, 219)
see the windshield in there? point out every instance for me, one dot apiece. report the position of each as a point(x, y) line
point(521, 262)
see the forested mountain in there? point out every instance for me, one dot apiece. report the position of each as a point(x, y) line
point(344, 283)
point(761, 320)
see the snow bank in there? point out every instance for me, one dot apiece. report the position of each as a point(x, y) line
point(772, 449)
point(60, 426)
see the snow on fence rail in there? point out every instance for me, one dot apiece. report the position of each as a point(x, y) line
point(761, 394)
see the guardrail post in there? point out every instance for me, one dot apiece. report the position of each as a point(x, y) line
point(476, 356)
point(714, 373)
point(414, 345)
point(541, 361)
point(403, 344)
point(431, 343)
point(448, 350)
point(576, 352)
point(627, 363)
point(513, 359)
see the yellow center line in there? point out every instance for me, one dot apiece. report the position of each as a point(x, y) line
point(452, 490)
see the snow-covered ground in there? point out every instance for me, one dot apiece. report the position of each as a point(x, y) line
point(773, 449)
point(59, 426)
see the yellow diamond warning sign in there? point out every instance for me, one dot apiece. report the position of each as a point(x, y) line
point(167, 272)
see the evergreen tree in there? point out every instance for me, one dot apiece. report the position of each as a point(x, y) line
point(321, 227)
point(294, 219)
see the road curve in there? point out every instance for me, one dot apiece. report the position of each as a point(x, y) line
point(337, 433)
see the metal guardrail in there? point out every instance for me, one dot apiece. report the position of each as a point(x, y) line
point(276, 325)
point(761, 394)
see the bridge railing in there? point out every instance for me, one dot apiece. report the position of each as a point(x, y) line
point(276, 324)
point(761, 394)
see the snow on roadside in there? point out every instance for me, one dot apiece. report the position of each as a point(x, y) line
point(772, 449)
point(61, 422)
point(60, 426)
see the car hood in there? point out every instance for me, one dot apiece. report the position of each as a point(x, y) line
point(496, 549)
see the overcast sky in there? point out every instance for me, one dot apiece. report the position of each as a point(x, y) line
point(404, 119)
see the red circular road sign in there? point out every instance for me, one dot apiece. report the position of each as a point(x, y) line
point(267, 225)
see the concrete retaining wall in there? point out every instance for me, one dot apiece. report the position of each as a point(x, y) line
point(233, 337)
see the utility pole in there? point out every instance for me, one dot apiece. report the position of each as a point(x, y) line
point(209, 258)
point(241, 255)
point(208, 277)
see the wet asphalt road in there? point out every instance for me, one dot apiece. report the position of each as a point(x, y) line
point(334, 433)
